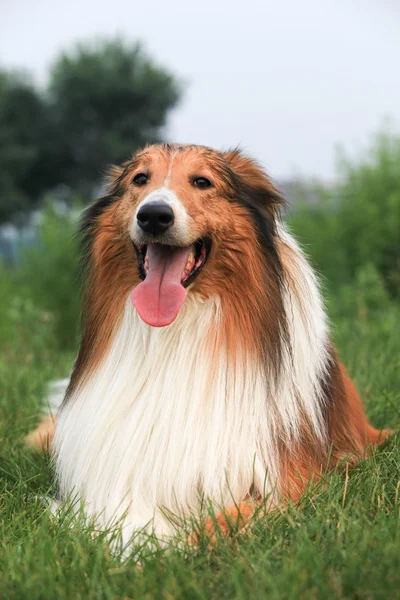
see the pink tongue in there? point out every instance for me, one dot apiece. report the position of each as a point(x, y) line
point(160, 296)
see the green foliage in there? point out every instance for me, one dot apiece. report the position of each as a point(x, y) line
point(42, 292)
point(371, 211)
point(102, 102)
point(357, 223)
point(23, 126)
point(48, 274)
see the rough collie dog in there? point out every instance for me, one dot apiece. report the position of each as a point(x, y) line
point(205, 369)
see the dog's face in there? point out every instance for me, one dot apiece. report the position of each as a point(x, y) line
point(198, 220)
point(179, 211)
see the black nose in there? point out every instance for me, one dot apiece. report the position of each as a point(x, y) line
point(155, 217)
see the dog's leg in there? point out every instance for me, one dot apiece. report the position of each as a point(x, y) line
point(42, 436)
point(350, 434)
point(224, 523)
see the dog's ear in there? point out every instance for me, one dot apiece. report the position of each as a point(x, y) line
point(117, 181)
point(253, 182)
point(113, 176)
point(117, 177)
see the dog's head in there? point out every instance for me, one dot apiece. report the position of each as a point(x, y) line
point(185, 219)
point(178, 221)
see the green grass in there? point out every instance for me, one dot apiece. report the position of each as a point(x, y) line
point(344, 542)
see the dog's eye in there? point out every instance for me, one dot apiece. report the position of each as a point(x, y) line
point(140, 179)
point(202, 183)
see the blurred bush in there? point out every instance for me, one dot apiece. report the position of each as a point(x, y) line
point(353, 233)
point(41, 295)
point(23, 131)
point(48, 275)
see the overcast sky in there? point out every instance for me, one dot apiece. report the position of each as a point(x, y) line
point(286, 79)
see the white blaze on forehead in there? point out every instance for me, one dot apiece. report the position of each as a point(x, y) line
point(179, 232)
point(171, 162)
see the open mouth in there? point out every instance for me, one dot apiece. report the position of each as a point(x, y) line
point(166, 272)
point(196, 260)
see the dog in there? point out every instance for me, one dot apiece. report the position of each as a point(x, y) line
point(206, 368)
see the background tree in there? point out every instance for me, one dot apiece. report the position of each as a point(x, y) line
point(23, 129)
point(102, 102)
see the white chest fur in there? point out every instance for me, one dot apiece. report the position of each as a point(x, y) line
point(165, 420)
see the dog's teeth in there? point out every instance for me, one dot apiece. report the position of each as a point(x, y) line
point(189, 265)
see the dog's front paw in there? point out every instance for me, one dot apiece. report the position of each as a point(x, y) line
point(223, 524)
point(43, 435)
